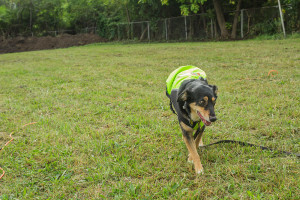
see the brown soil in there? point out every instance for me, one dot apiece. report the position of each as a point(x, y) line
point(20, 44)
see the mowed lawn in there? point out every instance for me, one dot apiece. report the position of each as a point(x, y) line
point(102, 128)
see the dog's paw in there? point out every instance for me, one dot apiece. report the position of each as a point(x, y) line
point(190, 160)
point(199, 172)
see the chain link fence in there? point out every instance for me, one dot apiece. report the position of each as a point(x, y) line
point(260, 21)
point(90, 30)
point(195, 27)
point(251, 23)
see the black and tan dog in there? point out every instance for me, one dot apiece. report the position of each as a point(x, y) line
point(194, 100)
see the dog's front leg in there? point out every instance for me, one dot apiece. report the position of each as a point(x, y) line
point(198, 140)
point(190, 144)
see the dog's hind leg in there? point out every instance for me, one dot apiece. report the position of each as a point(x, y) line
point(191, 146)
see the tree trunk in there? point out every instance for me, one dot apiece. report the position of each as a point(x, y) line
point(221, 19)
point(235, 20)
point(30, 19)
point(191, 33)
point(127, 13)
point(128, 20)
point(203, 19)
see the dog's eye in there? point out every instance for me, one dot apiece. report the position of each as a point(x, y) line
point(202, 103)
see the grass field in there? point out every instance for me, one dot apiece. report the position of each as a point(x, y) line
point(105, 131)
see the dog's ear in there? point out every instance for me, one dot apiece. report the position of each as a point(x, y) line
point(215, 89)
point(202, 79)
point(183, 96)
point(183, 90)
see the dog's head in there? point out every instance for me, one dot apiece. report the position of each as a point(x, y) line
point(197, 100)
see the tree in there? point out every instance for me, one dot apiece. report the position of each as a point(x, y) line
point(235, 20)
point(221, 19)
point(188, 6)
point(4, 19)
point(24, 17)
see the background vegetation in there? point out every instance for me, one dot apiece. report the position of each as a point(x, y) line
point(105, 131)
point(27, 17)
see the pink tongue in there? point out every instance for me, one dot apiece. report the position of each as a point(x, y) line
point(207, 123)
point(203, 120)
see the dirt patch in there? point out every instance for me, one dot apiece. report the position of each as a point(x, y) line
point(20, 44)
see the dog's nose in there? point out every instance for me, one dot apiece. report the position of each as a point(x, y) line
point(212, 118)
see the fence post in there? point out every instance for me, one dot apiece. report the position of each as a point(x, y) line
point(131, 35)
point(148, 31)
point(212, 28)
point(242, 23)
point(166, 28)
point(186, 36)
point(118, 32)
point(281, 17)
point(215, 25)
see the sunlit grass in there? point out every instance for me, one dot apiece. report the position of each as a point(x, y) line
point(104, 128)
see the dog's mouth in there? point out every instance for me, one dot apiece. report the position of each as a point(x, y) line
point(207, 123)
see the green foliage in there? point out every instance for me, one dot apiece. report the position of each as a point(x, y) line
point(292, 15)
point(187, 6)
point(106, 27)
point(84, 13)
point(49, 16)
point(4, 18)
point(102, 26)
point(3, 13)
point(39, 16)
point(268, 27)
